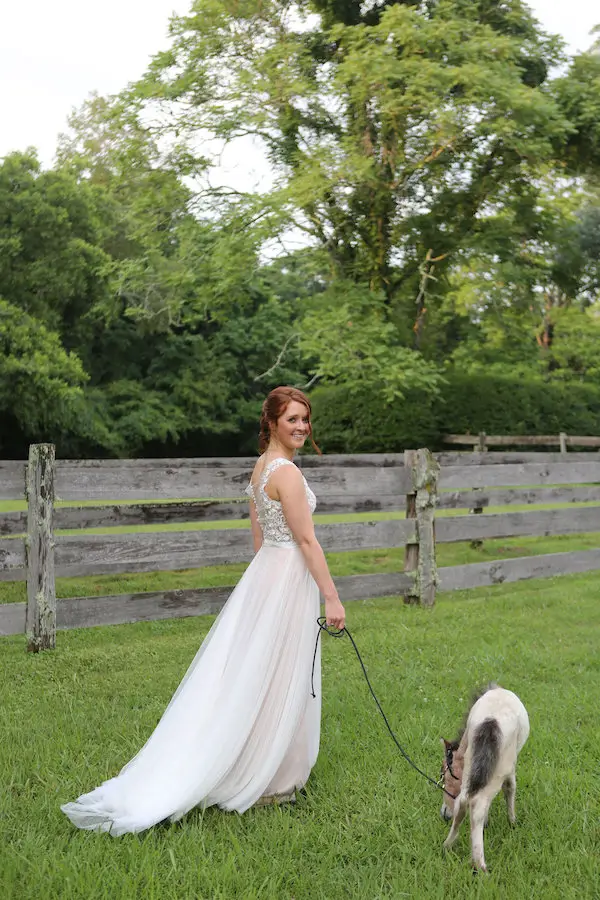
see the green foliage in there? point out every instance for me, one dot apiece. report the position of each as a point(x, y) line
point(51, 232)
point(578, 95)
point(433, 167)
point(496, 404)
point(392, 129)
point(348, 332)
point(363, 422)
point(511, 405)
point(40, 382)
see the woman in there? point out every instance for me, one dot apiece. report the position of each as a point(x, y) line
point(242, 727)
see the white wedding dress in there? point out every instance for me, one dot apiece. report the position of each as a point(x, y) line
point(243, 723)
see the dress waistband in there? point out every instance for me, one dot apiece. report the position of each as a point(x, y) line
point(285, 545)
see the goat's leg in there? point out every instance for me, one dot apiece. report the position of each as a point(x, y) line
point(460, 808)
point(510, 789)
point(479, 807)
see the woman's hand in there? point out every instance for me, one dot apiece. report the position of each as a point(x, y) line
point(335, 613)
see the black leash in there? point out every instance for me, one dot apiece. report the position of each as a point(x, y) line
point(337, 633)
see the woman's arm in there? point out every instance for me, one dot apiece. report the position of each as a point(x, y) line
point(289, 485)
point(257, 535)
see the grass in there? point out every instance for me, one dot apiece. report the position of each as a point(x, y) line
point(369, 826)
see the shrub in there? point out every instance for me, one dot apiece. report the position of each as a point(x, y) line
point(466, 404)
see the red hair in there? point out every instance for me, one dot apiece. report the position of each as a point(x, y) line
point(274, 406)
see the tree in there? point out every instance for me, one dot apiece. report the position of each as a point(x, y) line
point(41, 384)
point(578, 96)
point(391, 128)
point(52, 264)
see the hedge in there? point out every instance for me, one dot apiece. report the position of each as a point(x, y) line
point(345, 423)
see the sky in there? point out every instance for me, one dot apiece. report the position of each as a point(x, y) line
point(55, 53)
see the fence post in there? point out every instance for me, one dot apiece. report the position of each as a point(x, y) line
point(482, 445)
point(477, 510)
point(562, 439)
point(420, 505)
point(40, 617)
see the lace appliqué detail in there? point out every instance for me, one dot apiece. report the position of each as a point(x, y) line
point(270, 514)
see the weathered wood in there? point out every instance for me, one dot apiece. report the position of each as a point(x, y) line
point(12, 560)
point(411, 549)
point(13, 522)
point(361, 587)
point(476, 510)
point(130, 515)
point(351, 460)
point(182, 462)
point(79, 612)
point(121, 609)
point(163, 480)
point(514, 457)
point(523, 440)
point(80, 555)
point(476, 575)
point(453, 477)
point(40, 618)
point(425, 479)
point(94, 482)
point(12, 479)
point(365, 535)
point(582, 441)
point(481, 498)
point(94, 554)
point(12, 618)
point(424, 473)
point(563, 440)
point(304, 460)
point(541, 523)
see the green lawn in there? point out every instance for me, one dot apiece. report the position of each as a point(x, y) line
point(369, 826)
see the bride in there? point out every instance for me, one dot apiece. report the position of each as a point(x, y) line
point(242, 727)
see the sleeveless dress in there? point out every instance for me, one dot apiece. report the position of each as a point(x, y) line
point(243, 723)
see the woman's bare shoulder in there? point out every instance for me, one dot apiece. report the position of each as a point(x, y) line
point(286, 475)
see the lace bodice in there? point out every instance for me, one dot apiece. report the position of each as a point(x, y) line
point(270, 514)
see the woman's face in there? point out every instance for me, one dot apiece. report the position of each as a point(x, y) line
point(292, 427)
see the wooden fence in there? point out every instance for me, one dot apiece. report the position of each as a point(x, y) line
point(415, 481)
point(482, 441)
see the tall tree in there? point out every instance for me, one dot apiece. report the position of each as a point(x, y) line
point(40, 382)
point(391, 129)
point(52, 264)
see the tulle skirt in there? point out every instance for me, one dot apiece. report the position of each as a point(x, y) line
point(243, 723)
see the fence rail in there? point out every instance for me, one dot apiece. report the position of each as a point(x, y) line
point(415, 482)
point(482, 441)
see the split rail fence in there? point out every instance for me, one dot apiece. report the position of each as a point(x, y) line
point(415, 482)
point(481, 442)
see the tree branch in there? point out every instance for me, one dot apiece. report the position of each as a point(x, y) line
point(277, 363)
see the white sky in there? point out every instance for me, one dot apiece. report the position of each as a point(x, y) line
point(54, 53)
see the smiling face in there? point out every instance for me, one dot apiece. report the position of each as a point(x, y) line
point(292, 427)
